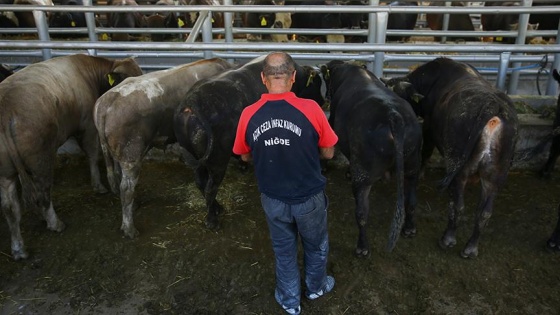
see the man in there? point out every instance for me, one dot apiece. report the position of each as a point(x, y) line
point(285, 136)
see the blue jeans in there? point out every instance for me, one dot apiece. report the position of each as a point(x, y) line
point(285, 222)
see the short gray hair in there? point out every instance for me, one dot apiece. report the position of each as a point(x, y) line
point(278, 64)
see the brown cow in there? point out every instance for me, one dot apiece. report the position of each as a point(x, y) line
point(26, 19)
point(130, 19)
point(41, 106)
point(135, 115)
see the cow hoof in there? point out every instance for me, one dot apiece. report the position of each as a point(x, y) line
point(130, 232)
point(212, 224)
point(469, 253)
point(552, 245)
point(59, 226)
point(361, 253)
point(409, 232)
point(446, 243)
point(19, 254)
point(100, 189)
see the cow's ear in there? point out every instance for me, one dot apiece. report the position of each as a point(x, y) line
point(325, 72)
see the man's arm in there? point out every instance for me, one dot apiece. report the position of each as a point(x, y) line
point(326, 153)
point(247, 157)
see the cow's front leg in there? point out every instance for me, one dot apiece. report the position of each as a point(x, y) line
point(455, 208)
point(12, 212)
point(553, 154)
point(483, 214)
point(129, 180)
point(361, 192)
point(554, 240)
point(215, 178)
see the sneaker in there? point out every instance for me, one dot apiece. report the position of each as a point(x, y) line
point(289, 310)
point(328, 288)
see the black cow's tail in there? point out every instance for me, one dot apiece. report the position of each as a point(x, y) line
point(473, 138)
point(398, 130)
point(32, 197)
point(529, 153)
point(191, 130)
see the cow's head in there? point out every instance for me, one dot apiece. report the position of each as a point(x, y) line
point(308, 84)
point(403, 88)
point(123, 69)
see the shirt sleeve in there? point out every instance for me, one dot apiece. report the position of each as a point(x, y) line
point(327, 136)
point(240, 145)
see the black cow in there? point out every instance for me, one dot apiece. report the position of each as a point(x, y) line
point(8, 18)
point(206, 122)
point(41, 106)
point(457, 22)
point(401, 21)
point(305, 20)
point(378, 132)
point(474, 127)
point(548, 167)
point(68, 19)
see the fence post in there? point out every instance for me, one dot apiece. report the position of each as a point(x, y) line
point(552, 85)
point(445, 23)
point(90, 23)
point(502, 71)
point(43, 32)
point(522, 35)
point(381, 33)
point(372, 23)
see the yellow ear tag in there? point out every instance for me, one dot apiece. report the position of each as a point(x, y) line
point(499, 39)
point(310, 79)
point(73, 24)
point(104, 37)
point(180, 22)
point(263, 21)
point(212, 20)
point(111, 79)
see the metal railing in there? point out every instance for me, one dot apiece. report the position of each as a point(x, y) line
point(498, 61)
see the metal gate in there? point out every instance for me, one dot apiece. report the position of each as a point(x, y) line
point(514, 68)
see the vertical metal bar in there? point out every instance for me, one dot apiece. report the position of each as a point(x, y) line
point(228, 23)
point(502, 71)
point(372, 22)
point(445, 23)
point(552, 85)
point(381, 31)
point(43, 32)
point(522, 35)
point(90, 23)
point(207, 33)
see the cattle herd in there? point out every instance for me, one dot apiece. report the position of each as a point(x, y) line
point(298, 20)
point(111, 104)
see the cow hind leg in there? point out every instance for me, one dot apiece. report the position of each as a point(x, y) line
point(409, 227)
point(483, 214)
point(361, 187)
point(554, 240)
point(208, 183)
point(554, 152)
point(89, 142)
point(12, 211)
point(455, 208)
point(129, 180)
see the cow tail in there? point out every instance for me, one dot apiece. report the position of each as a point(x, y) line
point(107, 156)
point(398, 130)
point(529, 153)
point(190, 119)
point(30, 194)
point(472, 141)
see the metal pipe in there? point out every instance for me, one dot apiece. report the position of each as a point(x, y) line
point(381, 29)
point(445, 22)
point(197, 27)
point(522, 29)
point(90, 23)
point(552, 85)
point(42, 31)
point(502, 71)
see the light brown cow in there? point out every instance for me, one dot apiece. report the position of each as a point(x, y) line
point(136, 115)
point(41, 106)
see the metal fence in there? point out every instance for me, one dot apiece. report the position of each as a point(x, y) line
point(506, 65)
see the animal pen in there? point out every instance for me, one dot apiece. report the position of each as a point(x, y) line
point(510, 66)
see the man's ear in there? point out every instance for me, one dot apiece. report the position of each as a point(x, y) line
point(263, 78)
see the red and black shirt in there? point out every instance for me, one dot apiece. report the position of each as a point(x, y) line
point(283, 133)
